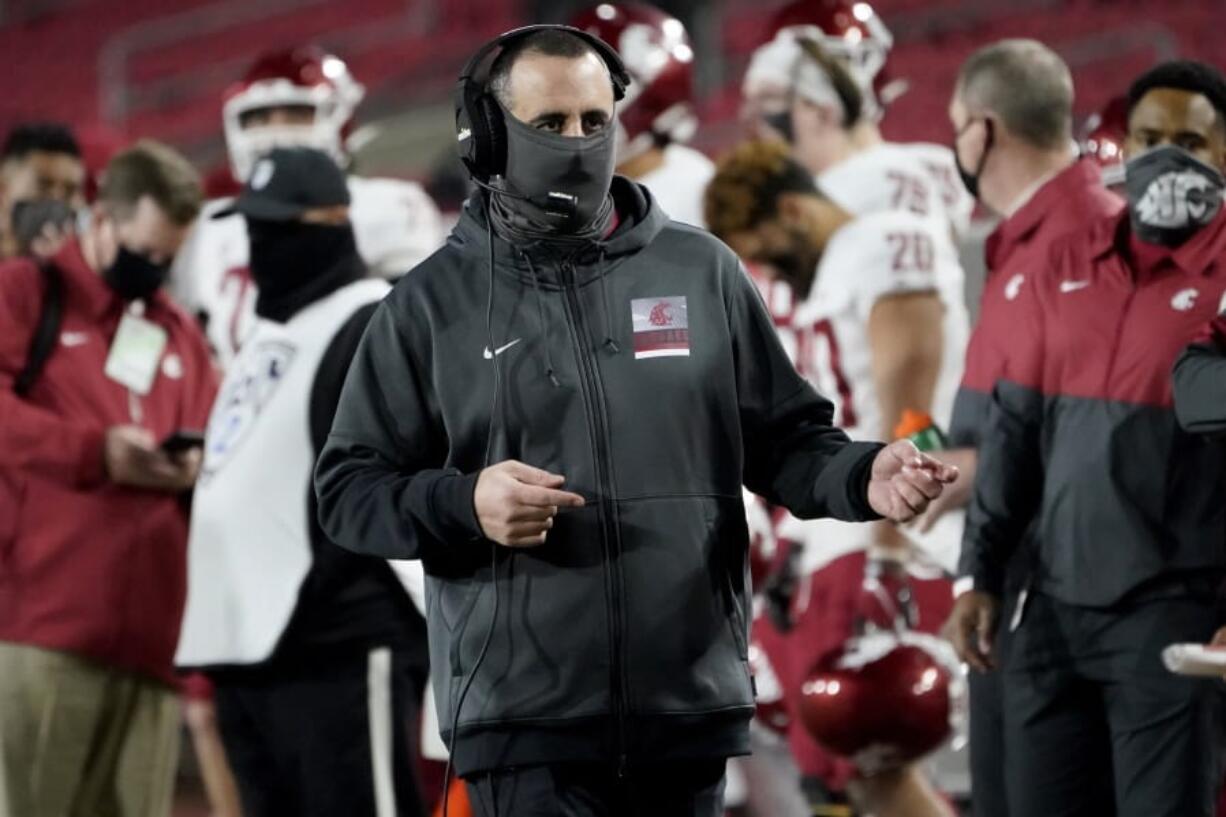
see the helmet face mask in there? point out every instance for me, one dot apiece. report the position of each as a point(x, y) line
point(302, 78)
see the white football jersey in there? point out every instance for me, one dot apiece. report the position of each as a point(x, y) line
point(679, 184)
point(875, 256)
point(919, 177)
point(395, 223)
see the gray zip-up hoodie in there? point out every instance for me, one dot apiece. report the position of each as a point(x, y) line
point(644, 368)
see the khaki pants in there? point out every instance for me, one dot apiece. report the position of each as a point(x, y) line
point(78, 739)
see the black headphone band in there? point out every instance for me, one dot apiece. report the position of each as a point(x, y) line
point(617, 69)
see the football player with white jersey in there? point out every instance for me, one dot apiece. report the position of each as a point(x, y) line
point(821, 84)
point(656, 117)
point(303, 97)
point(879, 325)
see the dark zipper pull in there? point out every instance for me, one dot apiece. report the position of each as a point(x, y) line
point(621, 766)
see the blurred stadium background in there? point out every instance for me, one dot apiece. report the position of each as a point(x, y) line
point(123, 68)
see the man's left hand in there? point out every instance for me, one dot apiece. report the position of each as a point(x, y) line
point(904, 481)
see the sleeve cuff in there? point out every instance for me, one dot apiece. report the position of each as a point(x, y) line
point(963, 585)
point(843, 484)
point(451, 503)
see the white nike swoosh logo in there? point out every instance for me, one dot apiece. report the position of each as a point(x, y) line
point(491, 355)
point(1073, 286)
point(74, 338)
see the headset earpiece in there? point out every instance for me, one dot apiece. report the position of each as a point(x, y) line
point(480, 135)
point(495, 135)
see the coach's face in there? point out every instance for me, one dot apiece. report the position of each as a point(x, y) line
point(1171, 116)
point(567, 96)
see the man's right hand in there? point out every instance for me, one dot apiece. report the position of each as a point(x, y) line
point(958, 493)
point(132, 458)
point(516, 503)
point(972, 627)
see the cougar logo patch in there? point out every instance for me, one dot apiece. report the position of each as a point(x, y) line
point(661, 327)
point(1178, 199)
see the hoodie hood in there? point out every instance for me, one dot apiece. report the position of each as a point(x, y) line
point(640, 220)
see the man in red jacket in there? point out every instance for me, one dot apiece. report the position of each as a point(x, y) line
point(1017, 156)
point(93, 523)
point(1082, 459)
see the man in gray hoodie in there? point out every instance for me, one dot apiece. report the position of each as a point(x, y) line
point(588, 645)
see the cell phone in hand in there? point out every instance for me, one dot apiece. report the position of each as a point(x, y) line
point(182, 440)
point(31, 216)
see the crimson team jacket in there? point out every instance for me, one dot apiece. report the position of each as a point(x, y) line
point(1081, 437)
point(87, 566)
point(1200, 380)
point(1016, 249)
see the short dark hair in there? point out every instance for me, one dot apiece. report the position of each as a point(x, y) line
point(1024, 83)
point(549, 42)
point(152, 169)
point(46, 137)
point(747, 185)
point(1183, 75)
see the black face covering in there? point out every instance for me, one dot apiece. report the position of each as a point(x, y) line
point(132, 275)
point(781, 122)
point(971, 180)
point(294, 264)
point(1171, 195)
point(555, 186)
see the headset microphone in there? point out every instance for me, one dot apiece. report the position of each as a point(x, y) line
point(555, 204)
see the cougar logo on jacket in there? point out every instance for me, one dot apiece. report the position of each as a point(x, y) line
point(661, 327)
point(1184, 299)
point(239, 405)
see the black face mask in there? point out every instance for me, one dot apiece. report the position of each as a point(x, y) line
point(1171, 195)
point(555, 185)
point(781, 123)
point(971, 180)
point(294, 263)
point(132, 275)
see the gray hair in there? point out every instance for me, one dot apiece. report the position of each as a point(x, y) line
point(1027, 85)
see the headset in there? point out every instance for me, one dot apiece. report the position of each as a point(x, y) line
point(480, 130)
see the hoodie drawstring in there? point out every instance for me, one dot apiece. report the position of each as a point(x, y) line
point(540, 308)
point(609, 343)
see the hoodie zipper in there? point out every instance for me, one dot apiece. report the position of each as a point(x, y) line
point(598, 428)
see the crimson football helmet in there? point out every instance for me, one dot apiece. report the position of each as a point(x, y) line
point(851, 31)
point(1105, 132)
point(309, 77)
point(885, 699)
point(659, 105)
point(888, 696)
